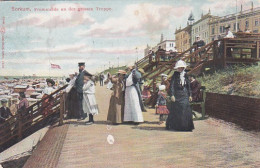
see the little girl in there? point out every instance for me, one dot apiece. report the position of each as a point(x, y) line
point(161, 107)
point(48, 103)
point(89, 104)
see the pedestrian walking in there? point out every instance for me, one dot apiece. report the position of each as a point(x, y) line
point(180, 116)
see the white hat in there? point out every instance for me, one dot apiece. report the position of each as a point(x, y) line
point(164, 75)
point(180, 64)
point(162, 87)
point(197, 36)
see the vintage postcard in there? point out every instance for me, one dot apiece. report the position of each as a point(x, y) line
point(130, 84)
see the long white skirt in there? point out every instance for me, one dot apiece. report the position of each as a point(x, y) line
point(132, 111)
point(89, 104)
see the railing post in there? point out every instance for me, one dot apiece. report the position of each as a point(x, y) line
point(257, 50)
point(62, 108)
point(20, 126)
point(225, 52)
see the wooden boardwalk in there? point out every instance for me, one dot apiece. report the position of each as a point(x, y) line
point(213, 143)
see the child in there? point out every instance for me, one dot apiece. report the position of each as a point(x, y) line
point(48, 103)
point(161, 107)
point(89, 104)
point(5, 112)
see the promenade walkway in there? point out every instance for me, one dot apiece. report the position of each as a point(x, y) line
point(213, 143)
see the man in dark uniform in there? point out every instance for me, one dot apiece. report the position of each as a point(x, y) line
point(5, 112)
point(79, 86)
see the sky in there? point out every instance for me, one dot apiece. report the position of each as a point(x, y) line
point(34, 39)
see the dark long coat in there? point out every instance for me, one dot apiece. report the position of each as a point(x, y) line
point(180, 117)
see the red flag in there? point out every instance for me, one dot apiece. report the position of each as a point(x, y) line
point(55, 66)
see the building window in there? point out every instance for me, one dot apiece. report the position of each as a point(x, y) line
point(213, 30)
point(256, 22)
point(247, 24)
point(220, 29)
point(234, 28)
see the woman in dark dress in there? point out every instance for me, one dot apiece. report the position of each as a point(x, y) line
point(180, 117)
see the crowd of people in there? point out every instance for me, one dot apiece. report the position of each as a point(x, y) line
point(127, 102)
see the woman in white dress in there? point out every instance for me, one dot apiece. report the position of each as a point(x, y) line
point(48, 103)
point(89, 104)
point(132, 110)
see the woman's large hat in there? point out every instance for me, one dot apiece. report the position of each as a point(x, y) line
point(50, 81)
point(227, 26)
point(180, 64)
point(121, 71)
point(162, 87)
point(141, 70)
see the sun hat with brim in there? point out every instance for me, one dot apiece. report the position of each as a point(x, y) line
point(162, 87)
point(141, 70)
point(180, 64)
point(227, 27)
point(164, 75)
point(121, 72)
point(50, 81)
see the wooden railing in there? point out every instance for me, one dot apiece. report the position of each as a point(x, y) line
point(15, 127)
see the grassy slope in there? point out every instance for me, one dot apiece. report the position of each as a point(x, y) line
point(242, 81)
point(113, 71)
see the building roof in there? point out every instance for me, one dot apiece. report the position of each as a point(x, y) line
point(187, 28)
point(166, 41)
point(191, 17)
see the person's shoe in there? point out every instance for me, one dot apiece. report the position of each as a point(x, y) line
point(89, 123)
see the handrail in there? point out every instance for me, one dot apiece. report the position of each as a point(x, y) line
point(172, 60)
point(16, 125)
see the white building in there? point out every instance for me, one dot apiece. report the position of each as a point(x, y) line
point(167, 45)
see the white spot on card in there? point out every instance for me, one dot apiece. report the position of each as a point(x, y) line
point(110, 139)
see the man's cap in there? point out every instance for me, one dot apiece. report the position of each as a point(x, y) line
point(3, 100)
point(81, 63)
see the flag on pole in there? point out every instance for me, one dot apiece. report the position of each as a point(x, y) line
point(55, 66)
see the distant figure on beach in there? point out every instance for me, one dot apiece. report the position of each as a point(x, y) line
point(89, 103)
point(180, 117)
point(116, 105)
point(48, 103)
